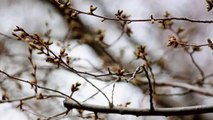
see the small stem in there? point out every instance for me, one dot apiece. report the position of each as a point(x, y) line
point(197, 66)
point(113, 89)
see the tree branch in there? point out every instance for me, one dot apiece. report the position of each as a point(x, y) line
point(132, 20)
point(199, 109)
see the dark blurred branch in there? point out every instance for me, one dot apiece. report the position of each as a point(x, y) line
point(82, 32)
point(7, 36)
point(193, 88)
point(198, 67)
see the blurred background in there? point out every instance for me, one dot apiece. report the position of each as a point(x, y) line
point(95, 46)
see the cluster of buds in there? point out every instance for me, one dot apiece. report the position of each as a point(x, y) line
point(196, 48)
point(120, 72)
point(209, 4)
point(121, 15)
point(39, 96)
point(73, 14)
point(140, 52)
point(166, 24)
point(75, 87)
point(63, 53)
point(124, 105)
point(128, 31)
point(99, 38)
point(100, 35)
point(210, 43)
point(57, 60)
point(4, 96)
point(34, 41)
point(173, 41)
point(65, 4)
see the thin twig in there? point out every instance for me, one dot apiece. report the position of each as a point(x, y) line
point(31, 97)
point(18, 99)
point(113, 90)
point(198, 67)
point(115, 41)
point(134, 73)
point(101, 89)
point(57, 115)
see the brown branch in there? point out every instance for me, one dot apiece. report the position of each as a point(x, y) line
point(199, 109)
point(132, 20)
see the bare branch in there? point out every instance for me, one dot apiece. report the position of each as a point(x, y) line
point(152, 19)
point(199, 109)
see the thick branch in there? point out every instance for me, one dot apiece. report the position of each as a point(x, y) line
point(200, 109)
